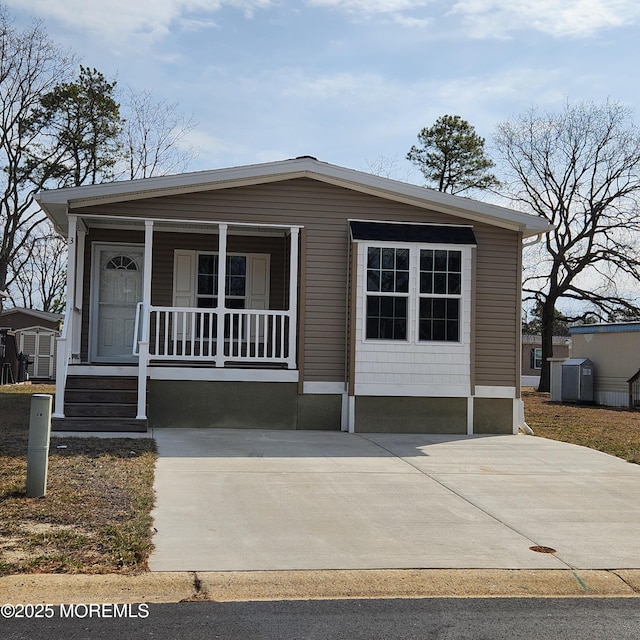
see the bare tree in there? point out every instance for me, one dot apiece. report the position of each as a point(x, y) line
point(40, 281)
point(386, 167)
point(579, 169)
point(155, 137)
point(30, 66)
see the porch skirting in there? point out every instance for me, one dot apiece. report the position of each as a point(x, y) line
point(240, 405)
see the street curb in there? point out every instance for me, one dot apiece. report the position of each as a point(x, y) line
point(243, 586)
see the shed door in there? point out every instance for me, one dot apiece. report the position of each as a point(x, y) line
point(118, 274)
point(39, 345)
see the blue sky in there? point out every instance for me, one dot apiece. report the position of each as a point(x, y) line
point(349, 81)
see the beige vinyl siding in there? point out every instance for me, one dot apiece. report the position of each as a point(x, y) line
point(497, 307)
point(323, 209)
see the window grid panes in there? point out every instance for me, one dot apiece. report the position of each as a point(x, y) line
point(388, 277)
point(235, 281)
point(122, 263)
point(441, 281)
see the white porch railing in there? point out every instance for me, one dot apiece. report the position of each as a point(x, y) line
point(251, 336)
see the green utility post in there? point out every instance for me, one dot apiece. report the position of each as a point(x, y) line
point(38, 450)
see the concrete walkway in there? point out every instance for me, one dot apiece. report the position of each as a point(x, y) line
point(281, 500)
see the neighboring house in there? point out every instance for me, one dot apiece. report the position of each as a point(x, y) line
point(36, 335)
point(614, 350)
point(532, 356)
point(350, 301)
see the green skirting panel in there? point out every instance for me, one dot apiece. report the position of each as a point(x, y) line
point(227, 405)
point(410, 415)
point(492, 415)
point(319, 411)
point(239, 405)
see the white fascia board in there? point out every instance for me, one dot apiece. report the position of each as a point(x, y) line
point(55, 202)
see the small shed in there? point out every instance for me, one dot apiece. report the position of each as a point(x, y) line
point(35, 333)
point(577, 380)
point(614, 348)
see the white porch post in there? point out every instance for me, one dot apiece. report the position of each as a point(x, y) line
point(143, 348)
point(293, 296)
point(220, 307)
point(62, 361)
point(76, 339)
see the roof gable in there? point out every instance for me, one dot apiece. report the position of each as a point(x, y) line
point(36, 313)
point(58, 203)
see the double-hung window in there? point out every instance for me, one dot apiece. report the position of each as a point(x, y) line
point(235, 284)
point(536, 358)
point(387, 293)
point(440, 294)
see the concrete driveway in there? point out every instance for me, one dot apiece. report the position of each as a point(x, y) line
point(268, 500)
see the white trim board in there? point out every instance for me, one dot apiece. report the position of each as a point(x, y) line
point(495, 392)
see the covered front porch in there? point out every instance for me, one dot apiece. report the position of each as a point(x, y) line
point(143, 301)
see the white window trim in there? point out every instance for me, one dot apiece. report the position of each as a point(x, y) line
point(414, 295)
point(536, 359)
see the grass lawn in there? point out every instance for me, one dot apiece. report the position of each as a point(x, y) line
point(95, 517)
point(614, 431)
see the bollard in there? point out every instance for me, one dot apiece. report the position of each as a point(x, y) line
point(38, 450)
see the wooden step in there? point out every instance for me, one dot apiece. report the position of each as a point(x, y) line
point(100, 403)
point(118, 396)
point(120, 425)
point(99, 410)
point(102, 382)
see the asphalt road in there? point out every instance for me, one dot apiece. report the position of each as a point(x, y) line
point(441, 619)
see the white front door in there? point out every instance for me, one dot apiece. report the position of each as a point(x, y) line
point(118, 274)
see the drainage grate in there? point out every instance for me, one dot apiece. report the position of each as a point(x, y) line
point(541, 549)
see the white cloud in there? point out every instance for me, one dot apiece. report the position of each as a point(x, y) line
point(561, 18)
point(370, 7)
point(389, 10)
point(124, 20)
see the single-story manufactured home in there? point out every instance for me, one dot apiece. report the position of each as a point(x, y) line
point(350, 302)
point(614, 349)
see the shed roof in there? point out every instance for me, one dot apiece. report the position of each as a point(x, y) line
point(42, 315)
point(607, 327)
